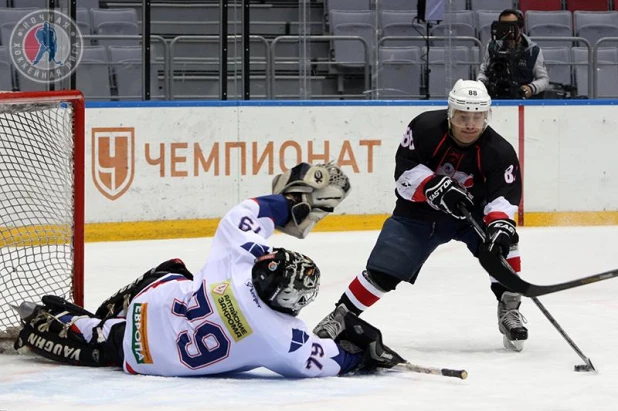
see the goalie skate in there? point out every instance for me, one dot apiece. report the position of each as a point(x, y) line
point(511, 322)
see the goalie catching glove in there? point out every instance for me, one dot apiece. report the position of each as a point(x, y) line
point(313, 191)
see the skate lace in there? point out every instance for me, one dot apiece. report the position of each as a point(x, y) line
point(43, 320)
point(513, 319)
point(328, 327)
point(49, 319)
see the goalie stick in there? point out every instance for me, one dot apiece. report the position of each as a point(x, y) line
point(358, 335)
point(502, 271)
point(505, 270)
point(408, 366)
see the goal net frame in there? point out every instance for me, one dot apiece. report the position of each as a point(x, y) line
point(18, 102)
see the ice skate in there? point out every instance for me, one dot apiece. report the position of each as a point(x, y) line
point(26, 310)
point(511, 322)
point(333, 324)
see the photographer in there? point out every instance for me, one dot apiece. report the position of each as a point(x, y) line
point(513, 66)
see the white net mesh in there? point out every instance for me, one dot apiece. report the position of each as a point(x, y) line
point(36, 204)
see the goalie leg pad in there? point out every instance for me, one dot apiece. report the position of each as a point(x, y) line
point(50, 345)
point(50, 332)
point(73, 349)
point(57, 304)
point(117, 304)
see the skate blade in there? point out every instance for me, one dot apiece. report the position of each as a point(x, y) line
point(516, 345)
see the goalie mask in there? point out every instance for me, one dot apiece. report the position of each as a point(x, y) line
point(285, 280)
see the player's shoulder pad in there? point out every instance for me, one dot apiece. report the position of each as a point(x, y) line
point(431, 120)
point(496, 150)
point(426, 130)
point(496, 143)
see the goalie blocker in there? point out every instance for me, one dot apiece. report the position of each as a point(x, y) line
point(313, 192)
point(356, 335)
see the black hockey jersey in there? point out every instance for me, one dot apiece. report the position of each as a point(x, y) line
point(488, 169)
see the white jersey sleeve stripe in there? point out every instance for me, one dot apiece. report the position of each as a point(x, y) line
point(410, 180)
point(499, 208)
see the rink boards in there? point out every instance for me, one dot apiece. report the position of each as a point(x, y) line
point(172, 169)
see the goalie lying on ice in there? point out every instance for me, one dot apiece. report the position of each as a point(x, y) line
point(239, 312)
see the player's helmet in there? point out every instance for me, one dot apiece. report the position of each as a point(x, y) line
point(285, 280)
point(469, 95)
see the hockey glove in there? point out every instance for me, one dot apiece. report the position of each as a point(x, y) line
point(501, 234)
point(445, 194)
point(313, 192)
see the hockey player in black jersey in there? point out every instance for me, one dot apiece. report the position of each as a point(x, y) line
point(447, 158)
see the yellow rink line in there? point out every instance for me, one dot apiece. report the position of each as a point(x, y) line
point(564, 218)
point(149, 230)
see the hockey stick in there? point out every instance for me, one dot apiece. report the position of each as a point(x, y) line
point(588, 364)
point(502, 271)
point(503, 263)
point(408, 366)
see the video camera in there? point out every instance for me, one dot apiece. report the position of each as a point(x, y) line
point(501, 57)
point(504, 30)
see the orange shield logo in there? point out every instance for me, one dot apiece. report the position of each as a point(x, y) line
point(113, 160)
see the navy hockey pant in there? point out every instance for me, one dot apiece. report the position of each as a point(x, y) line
point(404, 244)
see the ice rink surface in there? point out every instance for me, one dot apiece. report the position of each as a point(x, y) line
point(447, 319)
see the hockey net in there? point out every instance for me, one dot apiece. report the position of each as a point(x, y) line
point(41, 200)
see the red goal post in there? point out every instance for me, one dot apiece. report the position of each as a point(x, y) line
point(41, 198)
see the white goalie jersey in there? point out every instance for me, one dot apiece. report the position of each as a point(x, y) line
point(217, 323)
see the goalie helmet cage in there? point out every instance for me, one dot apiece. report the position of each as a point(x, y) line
point(41, 199)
